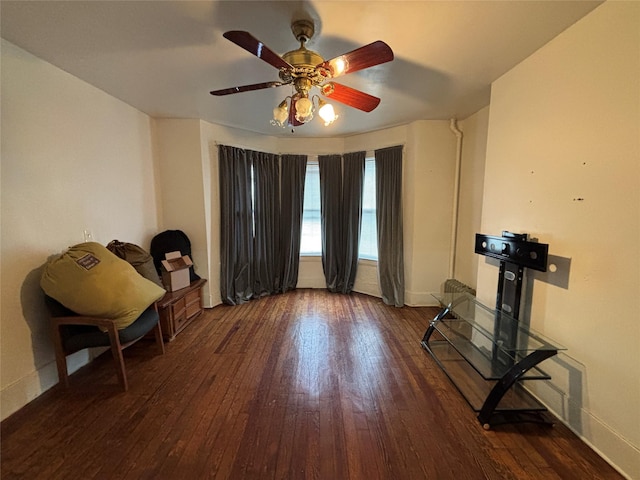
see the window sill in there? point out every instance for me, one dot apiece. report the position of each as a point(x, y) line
point(368, 261)
point(318, 257)
point(310, 257)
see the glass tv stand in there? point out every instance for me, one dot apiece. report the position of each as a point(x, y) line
point(488, 354)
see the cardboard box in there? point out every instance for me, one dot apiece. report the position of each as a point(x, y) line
point(175, 274)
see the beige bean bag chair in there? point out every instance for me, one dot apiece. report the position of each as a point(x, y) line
point(92, 281)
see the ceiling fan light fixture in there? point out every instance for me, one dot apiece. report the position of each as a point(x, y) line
point(326, 112)
point(304, 109)
point(339, 65)
point(281, 114)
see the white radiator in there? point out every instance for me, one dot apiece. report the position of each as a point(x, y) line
point(455, 287)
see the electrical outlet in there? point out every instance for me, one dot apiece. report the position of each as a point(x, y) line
point(88, 236)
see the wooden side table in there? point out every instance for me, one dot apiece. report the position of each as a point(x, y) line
point(177, 309)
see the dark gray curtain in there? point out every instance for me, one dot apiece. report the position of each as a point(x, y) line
point(352, 184)
point(260, 224)
point(293, 171)
point(330, 168)
point(266, 260)
point(341, 212)
point(389, 220)
point(236, 226)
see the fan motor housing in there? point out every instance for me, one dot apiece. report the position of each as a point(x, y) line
point(303, 57)
point(305, 64)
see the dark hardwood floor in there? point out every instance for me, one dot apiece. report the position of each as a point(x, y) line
point(302, 385)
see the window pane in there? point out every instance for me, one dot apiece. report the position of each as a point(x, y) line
point(368, 232)
point(311, 240)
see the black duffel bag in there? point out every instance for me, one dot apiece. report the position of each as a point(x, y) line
point(171, 241)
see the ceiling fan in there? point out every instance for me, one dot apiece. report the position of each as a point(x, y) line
point(304, 69)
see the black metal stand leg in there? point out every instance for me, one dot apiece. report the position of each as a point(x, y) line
point(506, 382)
point(432, 324)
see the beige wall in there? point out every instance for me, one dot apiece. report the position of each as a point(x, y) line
point(73, 159)
point(428, 192)
point(474, 147)
point(563, 164)
point(181, 181)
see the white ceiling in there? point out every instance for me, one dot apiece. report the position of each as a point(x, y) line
point(163, 57)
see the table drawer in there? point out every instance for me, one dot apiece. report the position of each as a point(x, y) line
point(178, 309)
point(179, 322)
point(193, 303)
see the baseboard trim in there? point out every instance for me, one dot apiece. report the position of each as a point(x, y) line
point(23, 391)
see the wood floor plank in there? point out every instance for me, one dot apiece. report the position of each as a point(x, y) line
point(303, 385)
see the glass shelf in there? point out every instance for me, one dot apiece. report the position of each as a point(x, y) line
point(489, 366)
point(480, 324)
point(473, 389)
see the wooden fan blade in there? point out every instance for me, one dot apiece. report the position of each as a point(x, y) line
point(256, 47)
point(364, 57)
point(350, 96)
point(246, 88)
